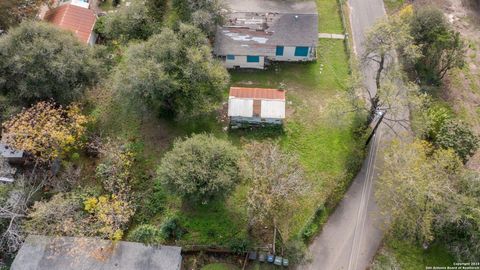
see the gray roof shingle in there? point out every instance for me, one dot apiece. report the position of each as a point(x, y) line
point(256, 27)
point(74, 253)
point(239, 38)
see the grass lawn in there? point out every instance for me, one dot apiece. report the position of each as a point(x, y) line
point(406, 256)
point(329, 20)
point(326, 146)
point(393, 5)
point(219, 266)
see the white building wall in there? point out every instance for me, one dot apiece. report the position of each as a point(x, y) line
point(93, 38)
point(289, 55)
point(80, 3)
point(241, 61)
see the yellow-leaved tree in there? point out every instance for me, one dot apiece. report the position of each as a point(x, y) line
point(46, 131)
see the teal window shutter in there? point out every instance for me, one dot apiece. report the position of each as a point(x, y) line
point(279, 51)
point(301, 51)
point(231, 57)
point(253, 59)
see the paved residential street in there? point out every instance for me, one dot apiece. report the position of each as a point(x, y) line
point(352, 235)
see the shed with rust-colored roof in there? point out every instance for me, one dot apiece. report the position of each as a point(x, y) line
point(76, 19)
point(256, 106)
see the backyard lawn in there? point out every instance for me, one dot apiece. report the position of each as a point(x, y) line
point(327, 146)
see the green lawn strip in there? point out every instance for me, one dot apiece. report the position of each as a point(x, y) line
point(411, 257)
point(219, 266)
point(392, 6)
point(329, 20)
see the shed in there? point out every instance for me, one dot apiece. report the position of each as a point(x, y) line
point(82, 253)
point(253, 106)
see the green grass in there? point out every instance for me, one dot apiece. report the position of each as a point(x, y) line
point(219, 266)
point(327, 151)
point(329, 20)
point(218, 222)
point(414, 257)
point(393, 5)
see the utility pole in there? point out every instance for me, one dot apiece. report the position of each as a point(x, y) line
point(379, 114)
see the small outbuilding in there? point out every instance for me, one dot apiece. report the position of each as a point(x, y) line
point(256, 106)
point(79, 253)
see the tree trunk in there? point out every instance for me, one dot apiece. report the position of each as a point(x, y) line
point(381, 66)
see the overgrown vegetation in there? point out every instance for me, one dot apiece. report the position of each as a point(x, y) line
point(435, 214)
point(162, 87)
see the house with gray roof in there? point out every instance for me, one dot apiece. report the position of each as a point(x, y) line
point(259, 31)
point(83, 253)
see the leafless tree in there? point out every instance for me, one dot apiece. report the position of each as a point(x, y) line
point(277, 184)
point(14, 209)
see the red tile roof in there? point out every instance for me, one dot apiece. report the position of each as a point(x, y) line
point(257, 93)
point(76, 19)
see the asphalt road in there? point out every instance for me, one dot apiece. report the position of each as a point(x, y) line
point(353, 233)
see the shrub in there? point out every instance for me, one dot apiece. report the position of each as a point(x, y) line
point(147, 234)
point(240, 246)
point(46, 131)
point(171, 229)
point(128, 23)
point(458, 136)
point(201, 168)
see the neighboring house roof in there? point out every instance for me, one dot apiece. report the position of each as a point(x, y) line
point(59, 253)
point(256, 102)
point(77, 19)
point(253, 33)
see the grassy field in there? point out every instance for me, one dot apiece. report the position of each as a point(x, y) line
point(393, 5)
point(325, 144)
point(398, 254)
point(329, 17)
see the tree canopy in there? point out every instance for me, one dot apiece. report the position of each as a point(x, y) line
point(277, 183)
point(46, 131)
point(415, 186)
point(133, 22)
point(38, 61)
point(12, 12)
point(200, 168)
point(173, 71)
point(205, 14)
point(442, 47)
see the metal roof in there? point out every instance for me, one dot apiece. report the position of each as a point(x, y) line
point(257, 93)
point(82, 253)
point(246, 102)
point(77, 19)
